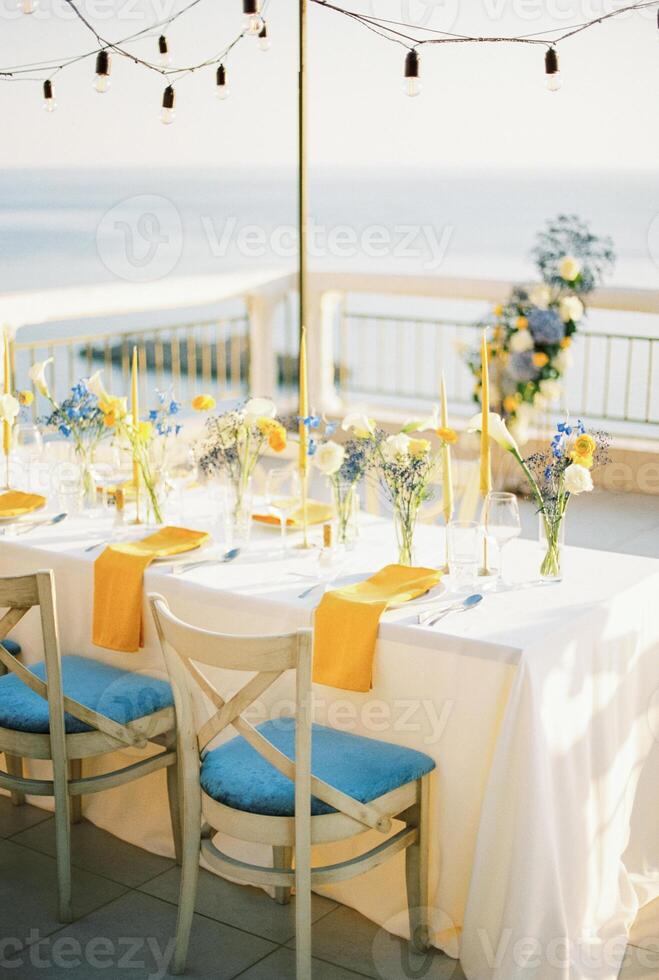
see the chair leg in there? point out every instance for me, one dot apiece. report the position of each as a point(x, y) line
point(416, 873)
point(63, 838)
point(282, 857)
point(75, 772)
point(303, 911)
point(191, 832)
point(15, 768)
point(173, 792)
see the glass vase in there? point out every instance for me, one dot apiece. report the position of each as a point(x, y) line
point(238, 507)
point(84, 457)
point(346, 506)
point(551, 533)
point(405, 523)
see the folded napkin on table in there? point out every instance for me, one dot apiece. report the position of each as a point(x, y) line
point(347, 621)
point(317, 513)
point(118, 580)
point(15, 502)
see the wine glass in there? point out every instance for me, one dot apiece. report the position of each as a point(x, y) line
point(181, 471)
point(502, 522)
point(28, 443)
point(282, 491)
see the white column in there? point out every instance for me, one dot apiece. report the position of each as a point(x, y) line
point(261, 310)
point(323, 307)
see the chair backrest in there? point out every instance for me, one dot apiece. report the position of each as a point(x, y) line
point(19, 594)
point(267, 658)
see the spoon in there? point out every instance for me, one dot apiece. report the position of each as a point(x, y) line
point(228, 556)
point(470, 602)
point(47, 523)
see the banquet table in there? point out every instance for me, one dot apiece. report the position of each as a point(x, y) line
point(540, 707)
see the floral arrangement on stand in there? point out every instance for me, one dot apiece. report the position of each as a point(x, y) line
point(554, 476)
point(232, 446)
point(78, 418)
point(531, 334)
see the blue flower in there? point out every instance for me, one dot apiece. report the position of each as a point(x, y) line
point(153, 415)
point(311, 449)
point(65, 430)
point(174, 407)
point(331, 428)
point(546, 326)
point(548, 473)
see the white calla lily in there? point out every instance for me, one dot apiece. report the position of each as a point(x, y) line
point(359, 423)
point(9, 408)
point(431, 423)
point(96, 386)
point(37, 375)
point(258, 408)
point(498, 431)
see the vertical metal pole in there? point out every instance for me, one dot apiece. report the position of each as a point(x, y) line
point(302, 239)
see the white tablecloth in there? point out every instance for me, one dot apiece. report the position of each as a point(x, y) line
point(540, 707)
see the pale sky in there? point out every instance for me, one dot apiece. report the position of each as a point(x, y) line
point(481, 106)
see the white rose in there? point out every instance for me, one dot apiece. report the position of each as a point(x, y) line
point(562, 361)
point(258, 408)
point(9, 408)
point(521, 341)
point(359, 423)
point(550, 389)
point(570, 308)
point(329, 457)
point(540, 296)
point(396, 446)
point(96, 386)
point(577, 479)
point(37, 375)
point(539, 401)
point(569, 268)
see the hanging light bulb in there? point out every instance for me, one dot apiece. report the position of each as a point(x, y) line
point(168, 112)
point(253, 19)
point(412, 84)
point(102, 80)
point(164, 56)
point(221, 83)
point(49, 103)
point(264, 40)
point(553, 76)
point(27, 6)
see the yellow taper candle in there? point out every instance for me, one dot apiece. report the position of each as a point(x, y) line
point(486, 471)
point(135, 410)
point(6, 427)
point(447, 479)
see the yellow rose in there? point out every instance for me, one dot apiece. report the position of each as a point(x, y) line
point(274, 432)
point(583, 450)
point(418, 447)
point(203, 403)
point(498, 310)
point(25, 398)
point(540, 359)
point(511, 402)
point(449, 436)
point(565, 342)
point(522, 323)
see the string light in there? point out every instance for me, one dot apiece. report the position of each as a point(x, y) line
point(164, 56)
point(102, 80)
point(221, 82)
point(49, 103)
point(553, 76)
point(253, 19)
point(264, 40)
point(28, 6)
point(412, 84)
point(168, 111)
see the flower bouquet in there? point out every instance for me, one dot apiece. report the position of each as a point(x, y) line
point(344, 465)
point(532, 332)
point(233, 444)
point(554, 476)
point(78, 418)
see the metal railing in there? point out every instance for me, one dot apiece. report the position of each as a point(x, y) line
point(613, 379)
point(188, 358)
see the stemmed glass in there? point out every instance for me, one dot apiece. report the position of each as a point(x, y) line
point(28, 443)
point(181, 471)
point(282, 491)
point(502, 522)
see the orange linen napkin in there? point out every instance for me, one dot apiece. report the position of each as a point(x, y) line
point(15, 502)
point(347, 621)
point(118, 580)
point(317, 513)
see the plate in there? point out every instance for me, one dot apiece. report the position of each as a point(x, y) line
point(431, 595)
point(168, 559)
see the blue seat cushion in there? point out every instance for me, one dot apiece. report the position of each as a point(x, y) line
point(119, 694)
point(11, 646)
point(237, 776)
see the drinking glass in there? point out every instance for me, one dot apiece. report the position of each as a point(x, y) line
point(282, 491)
point(181, 472)
point(502, 522)
point(28, 444)
point(463, 548)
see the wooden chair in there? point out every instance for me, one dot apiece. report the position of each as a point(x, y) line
point(261, 786)
point(51, 712)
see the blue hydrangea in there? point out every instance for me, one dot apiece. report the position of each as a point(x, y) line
point(522, 367)
point(546, 326)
